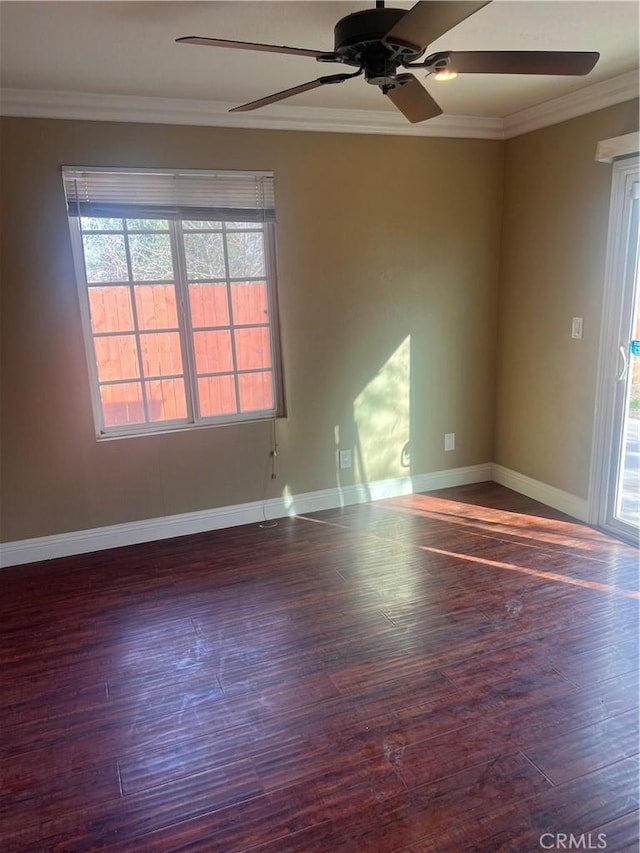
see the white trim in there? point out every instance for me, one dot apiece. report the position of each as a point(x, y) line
point(150, 530)
point(154, 529)
point(34, 103)
point(549, 495)
point(617, 90)
point(452, 477)
point(609, 150)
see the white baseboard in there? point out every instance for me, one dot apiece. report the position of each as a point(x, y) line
point(452, 477)
point(149, 530)
point(549, 495)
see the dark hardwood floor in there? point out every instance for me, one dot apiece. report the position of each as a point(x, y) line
point(454, 672)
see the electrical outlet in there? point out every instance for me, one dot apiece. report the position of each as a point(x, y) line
point(345, 459)
point(449, 441)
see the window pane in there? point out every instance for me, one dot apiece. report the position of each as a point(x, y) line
point(249, 302)
point(256, 391)
point(166, 400)
point(252, 348)
point(205, 255)
point(122, 404)
point(96, 223)
point(213, 351)
point(209, 305)
point(116, 357)
point(156, 306)
point(246, 255)
point(201, 225)
point(151, 257)
point(217, 395)
point(148, 224)
point(105, 258)
point(161, 354)
point(244, 226)
point(110, 309)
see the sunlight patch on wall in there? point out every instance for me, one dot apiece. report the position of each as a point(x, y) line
point(287, 498)
point(381, 413)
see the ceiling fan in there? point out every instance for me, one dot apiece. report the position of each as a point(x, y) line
point(377, 42)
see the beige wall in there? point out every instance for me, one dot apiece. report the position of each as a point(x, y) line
point(556, 209)
point(388, 255)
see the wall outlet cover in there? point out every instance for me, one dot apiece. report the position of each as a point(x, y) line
point(345, 459)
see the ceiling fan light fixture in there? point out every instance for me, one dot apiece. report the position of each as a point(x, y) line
point(445, 74)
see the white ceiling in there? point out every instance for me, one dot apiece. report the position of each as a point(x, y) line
point(128, 49)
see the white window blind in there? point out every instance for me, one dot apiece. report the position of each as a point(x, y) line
point(243, 196)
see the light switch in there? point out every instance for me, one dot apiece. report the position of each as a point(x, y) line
point(345, 459)
point(576, 327)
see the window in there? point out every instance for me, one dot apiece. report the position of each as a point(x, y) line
point(176, 275)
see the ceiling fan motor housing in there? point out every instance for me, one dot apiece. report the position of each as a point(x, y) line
point(359, 42)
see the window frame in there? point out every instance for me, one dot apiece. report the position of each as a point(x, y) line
point(181, 284)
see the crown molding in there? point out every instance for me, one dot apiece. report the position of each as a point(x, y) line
point(33, 103)
point(595, 97)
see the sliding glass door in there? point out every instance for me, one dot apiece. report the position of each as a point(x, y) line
point(627, 496)
point(616, 483)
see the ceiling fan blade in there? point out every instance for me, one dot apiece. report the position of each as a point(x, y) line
point(249, 45)
point(429, 19)
point(413, 100)
point(522, 62)
point(288, 93)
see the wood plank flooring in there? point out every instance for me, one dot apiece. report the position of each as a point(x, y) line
point(455, 671)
